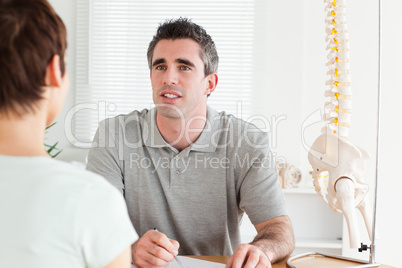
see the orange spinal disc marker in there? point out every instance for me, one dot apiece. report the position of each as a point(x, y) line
point(337, 95)
point(336, 72)
point(336, 84)
point(336, 41)
point(334, 131)
point(332, 13)
point(334, 3)
point(336, 121)
point(333, 22)
point(336, 108)
point(336, 59)
point(334, 31)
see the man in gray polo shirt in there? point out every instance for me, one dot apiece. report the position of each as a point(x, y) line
point(188, 170)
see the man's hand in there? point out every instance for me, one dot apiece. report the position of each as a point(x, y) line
point(248, 256)
point(154, 249)
point(273, 243)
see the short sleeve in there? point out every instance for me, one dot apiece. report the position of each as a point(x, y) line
point(261, 196)
point(103, 224)
point(103, 157)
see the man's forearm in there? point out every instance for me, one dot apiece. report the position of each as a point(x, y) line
point(275, 238)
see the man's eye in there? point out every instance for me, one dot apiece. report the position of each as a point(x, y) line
point(160, 67)
point(184, 68)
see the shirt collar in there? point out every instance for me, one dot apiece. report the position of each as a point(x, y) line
point(155, 139)
point(207, 142)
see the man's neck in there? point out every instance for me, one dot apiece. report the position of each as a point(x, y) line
point(22, 136)
point(181, 133)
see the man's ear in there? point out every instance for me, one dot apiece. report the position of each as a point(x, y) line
point(212, 82)
point(53, 76)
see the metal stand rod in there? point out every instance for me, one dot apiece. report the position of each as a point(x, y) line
point(372, 247)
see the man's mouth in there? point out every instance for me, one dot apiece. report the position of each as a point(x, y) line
point(170, 96)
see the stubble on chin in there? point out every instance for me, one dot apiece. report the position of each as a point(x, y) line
point(169, 111)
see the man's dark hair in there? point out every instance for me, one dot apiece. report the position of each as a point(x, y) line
point(31, 33)
point(183, 28)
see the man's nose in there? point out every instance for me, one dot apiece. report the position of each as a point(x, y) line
point(170, 77)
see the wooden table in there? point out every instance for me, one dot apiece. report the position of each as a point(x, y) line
point(282, 264)
point(224, 259)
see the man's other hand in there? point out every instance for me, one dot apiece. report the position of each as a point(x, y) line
point(154, 249)
point(248, 256)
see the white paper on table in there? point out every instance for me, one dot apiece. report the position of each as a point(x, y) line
point(192, 263)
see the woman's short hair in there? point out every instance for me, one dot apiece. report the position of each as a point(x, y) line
point(31, 33)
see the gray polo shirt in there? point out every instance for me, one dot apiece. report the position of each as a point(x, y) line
point(196, 196)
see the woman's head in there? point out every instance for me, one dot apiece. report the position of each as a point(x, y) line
point(31, 35)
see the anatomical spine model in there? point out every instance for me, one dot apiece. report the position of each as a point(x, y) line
point(332, 154)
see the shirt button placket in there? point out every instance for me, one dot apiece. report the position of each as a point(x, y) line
point(176, 166)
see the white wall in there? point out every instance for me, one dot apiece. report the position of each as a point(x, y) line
point(66, 10)
point(290, 59)
point(390, 180)
point(277, 69)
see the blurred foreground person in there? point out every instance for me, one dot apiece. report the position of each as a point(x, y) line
point(52, 215)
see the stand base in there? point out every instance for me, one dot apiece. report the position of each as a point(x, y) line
point(316, 259)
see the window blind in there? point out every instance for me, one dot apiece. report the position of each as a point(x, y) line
point(112, 37)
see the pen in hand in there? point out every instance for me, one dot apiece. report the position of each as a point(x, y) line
point(177, 260)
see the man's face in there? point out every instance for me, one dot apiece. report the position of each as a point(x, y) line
point(178, 81)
